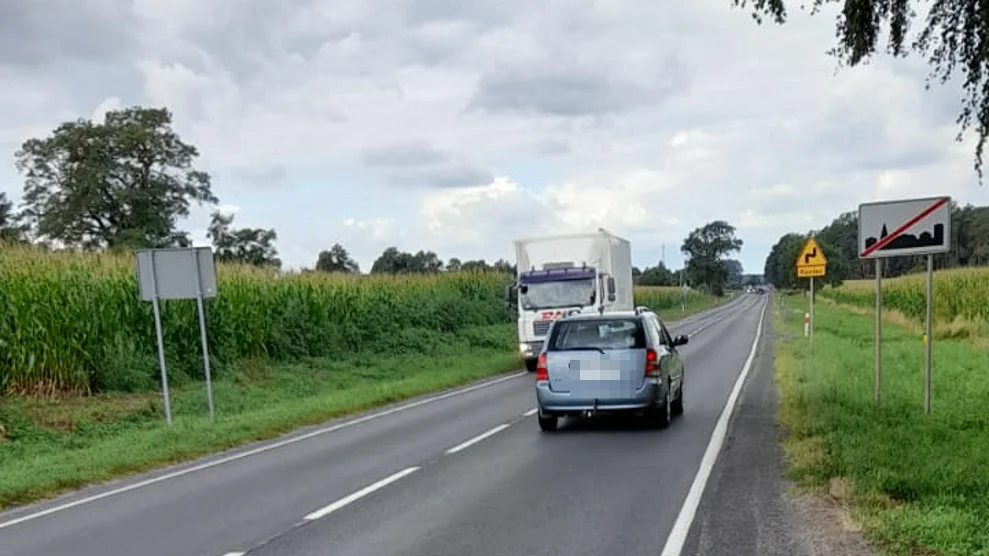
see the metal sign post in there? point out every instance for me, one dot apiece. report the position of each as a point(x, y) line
point(928, 337)
point(161, 359)
point(178, 274)
point(811, 310)
point(878, 334)
point(201, 311)
point(919, 227)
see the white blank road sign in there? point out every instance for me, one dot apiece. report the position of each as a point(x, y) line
point(176, 273)
point(905, 227)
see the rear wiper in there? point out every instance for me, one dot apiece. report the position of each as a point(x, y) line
point(585, 348)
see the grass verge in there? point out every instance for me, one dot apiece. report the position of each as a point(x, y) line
point(50, 446)
point(693, 306)
point(916, 483)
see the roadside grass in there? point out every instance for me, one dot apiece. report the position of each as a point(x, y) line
point(665, 301)
point(916, 483)
point(692, 306)
point(48, 446)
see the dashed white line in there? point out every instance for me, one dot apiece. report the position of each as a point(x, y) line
point(531, 412)
point(476, 439)
point(255, 451)
point(678, 535)
point(327, 510)
point(235, 554)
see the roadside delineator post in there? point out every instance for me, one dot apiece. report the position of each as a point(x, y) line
point(806, 325)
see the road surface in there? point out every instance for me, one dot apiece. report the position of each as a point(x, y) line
point(462, 472)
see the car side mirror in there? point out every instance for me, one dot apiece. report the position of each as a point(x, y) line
point(611, 288)
point(680, 340)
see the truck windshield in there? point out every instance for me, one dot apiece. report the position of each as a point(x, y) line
point(565, 293)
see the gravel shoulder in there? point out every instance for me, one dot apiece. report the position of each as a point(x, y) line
point(749, 506)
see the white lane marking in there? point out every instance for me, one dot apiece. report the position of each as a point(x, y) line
point(477, 439)
point(255, 451)
point(678, 535)
point(531, 412)
point(235, 554)
point(327, 510)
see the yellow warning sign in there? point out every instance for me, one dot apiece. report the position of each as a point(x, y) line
point(811, 262)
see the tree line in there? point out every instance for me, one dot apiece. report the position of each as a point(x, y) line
point(839, 242)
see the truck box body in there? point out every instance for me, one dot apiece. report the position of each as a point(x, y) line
point(568, 274)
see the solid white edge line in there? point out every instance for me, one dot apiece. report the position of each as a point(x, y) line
point(235, 554)
point(681, 527)
point(326, 510)
point(531, 412)
point(255, 451)
point(714, 312)
point(476, 439)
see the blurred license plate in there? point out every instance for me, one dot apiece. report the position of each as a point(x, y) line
point(605, 370)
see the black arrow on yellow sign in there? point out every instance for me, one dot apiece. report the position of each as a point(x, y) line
point(809, 256)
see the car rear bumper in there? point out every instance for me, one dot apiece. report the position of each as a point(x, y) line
point(550, 402)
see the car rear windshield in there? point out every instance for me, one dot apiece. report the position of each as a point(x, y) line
point(614, 333)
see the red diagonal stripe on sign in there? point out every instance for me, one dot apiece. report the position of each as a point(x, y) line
point(883, 242)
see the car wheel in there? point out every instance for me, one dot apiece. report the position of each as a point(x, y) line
point(548, 424)
point(677, 405)
point(530, 365)
point(662, 415)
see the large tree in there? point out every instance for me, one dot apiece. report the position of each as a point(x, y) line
point(953, 39)
point(337, 259)
point(124, 182)
point(734, 273)
point(10, 228)
point(254, 246)
point(706, 248)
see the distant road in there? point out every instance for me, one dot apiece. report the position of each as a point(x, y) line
point(463, 472)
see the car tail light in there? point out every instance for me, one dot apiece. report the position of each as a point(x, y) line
point(652, 362)
point(542, 372)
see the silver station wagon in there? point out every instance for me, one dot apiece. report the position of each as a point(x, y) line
point(611, 362)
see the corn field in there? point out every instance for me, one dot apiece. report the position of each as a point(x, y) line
point(659, 298)
point(958, 293)
point(74, 321)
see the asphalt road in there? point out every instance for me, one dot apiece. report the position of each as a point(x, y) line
point(464, 472)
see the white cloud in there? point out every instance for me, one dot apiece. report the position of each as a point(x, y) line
point(456, 126)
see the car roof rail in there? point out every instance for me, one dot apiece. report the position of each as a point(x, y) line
point(642, 309)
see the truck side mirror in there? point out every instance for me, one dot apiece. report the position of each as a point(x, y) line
point(511, 295)
point(611, 288)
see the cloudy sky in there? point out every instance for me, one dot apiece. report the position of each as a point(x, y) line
point(457, 125)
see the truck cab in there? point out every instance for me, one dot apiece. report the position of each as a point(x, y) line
point(545, 295)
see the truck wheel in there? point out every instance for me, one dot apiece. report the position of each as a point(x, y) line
point(530, 365)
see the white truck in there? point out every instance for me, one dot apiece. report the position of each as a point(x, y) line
point(564, 275)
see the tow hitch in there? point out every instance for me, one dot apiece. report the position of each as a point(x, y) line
point(593, 411)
